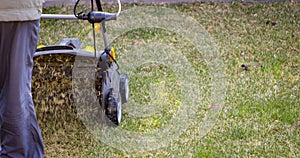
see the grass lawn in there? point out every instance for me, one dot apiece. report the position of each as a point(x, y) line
point(259, 44)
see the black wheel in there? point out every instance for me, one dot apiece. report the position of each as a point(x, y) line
point(124, 88)
point(114, 108)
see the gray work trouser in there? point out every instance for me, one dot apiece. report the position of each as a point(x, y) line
point(20, 133)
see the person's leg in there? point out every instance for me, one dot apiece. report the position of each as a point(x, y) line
point(20, 133)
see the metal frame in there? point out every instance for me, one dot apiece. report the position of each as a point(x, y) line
point(73, 17)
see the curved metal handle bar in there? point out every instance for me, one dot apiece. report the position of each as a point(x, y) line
point(73, 17)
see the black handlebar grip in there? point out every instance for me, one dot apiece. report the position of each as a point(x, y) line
point(96, 17)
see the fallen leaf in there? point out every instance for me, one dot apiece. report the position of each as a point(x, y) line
point(139, 42)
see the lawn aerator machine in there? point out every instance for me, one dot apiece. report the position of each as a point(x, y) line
point(111, 85)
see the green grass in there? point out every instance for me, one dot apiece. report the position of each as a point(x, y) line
point(261, 115)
